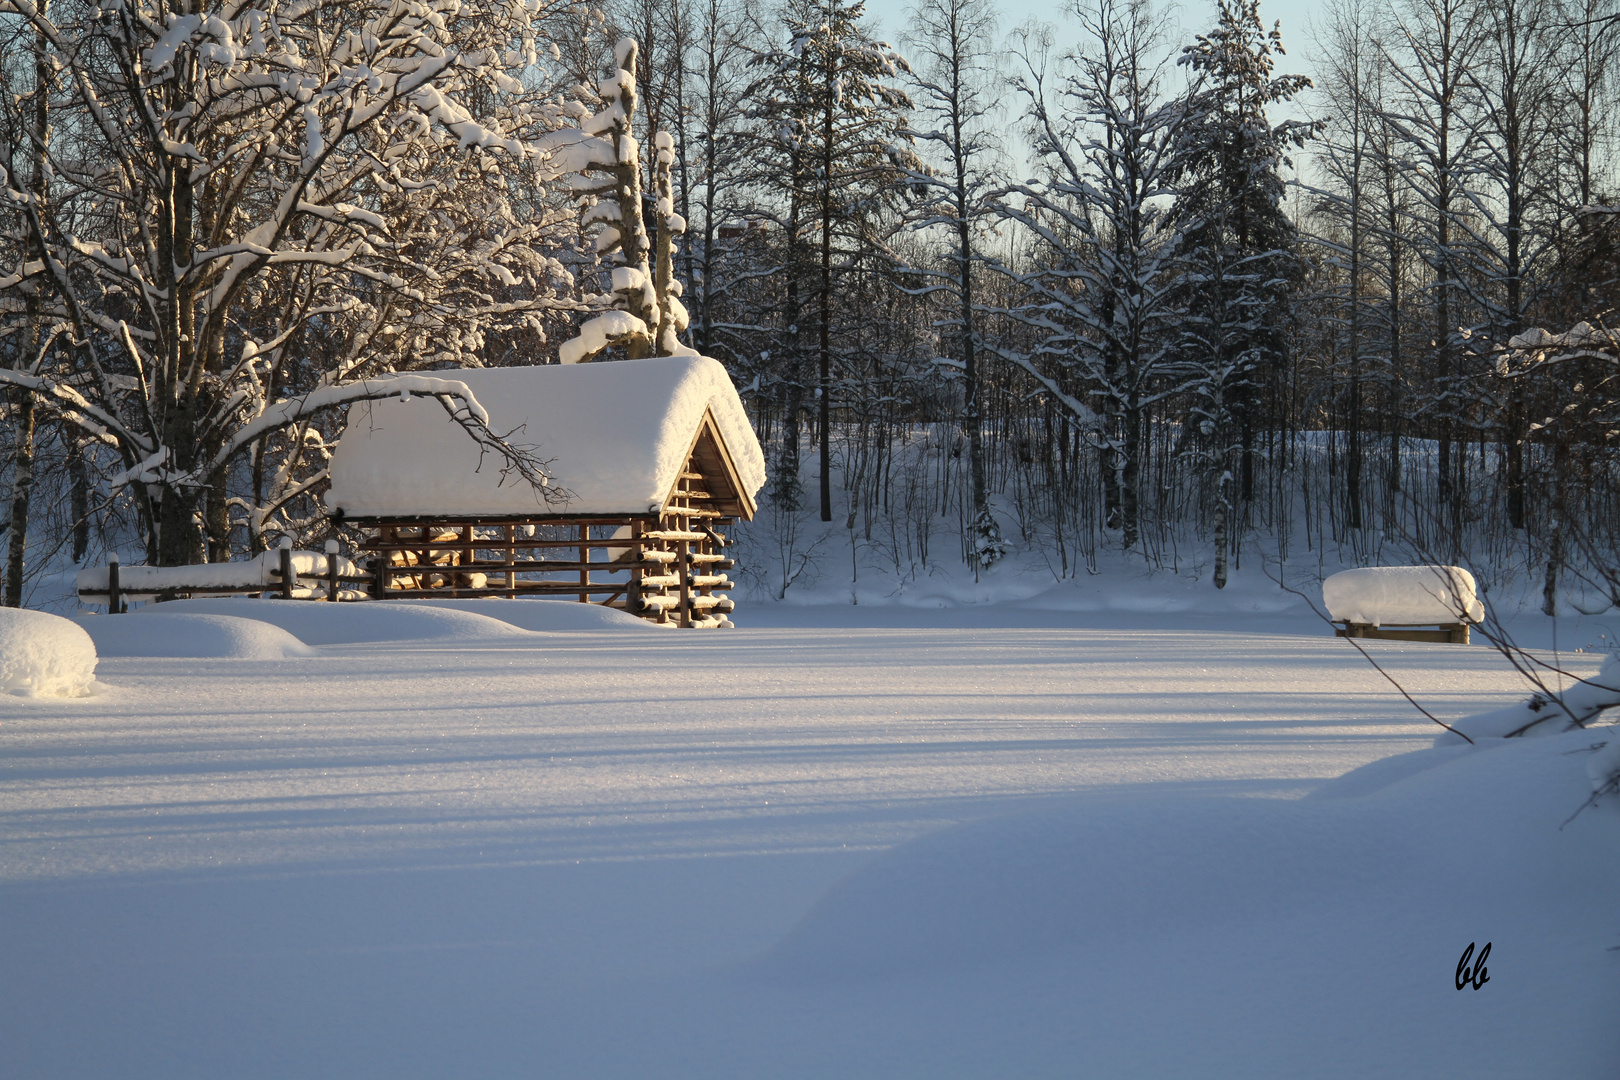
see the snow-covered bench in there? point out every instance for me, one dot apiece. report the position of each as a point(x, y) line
point(1404, 603)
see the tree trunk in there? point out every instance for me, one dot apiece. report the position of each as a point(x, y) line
point(1352, 464)
point(22, 462)
point(1397, 386)
point(1556, 509)
point(1555, 560)
point(1513, 447)
point(179, 510)
point(824, 380)
point(787, 486)
point(79, 481)
point(22, 491)
point(1130, 513)
point(217, 522)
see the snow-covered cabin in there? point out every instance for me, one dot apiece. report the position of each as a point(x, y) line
point(650, 462)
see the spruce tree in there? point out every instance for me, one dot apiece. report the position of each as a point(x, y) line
point(837, 124)
point(1238, 244)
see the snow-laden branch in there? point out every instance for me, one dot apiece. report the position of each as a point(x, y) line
point(364, 214)
point(458, 401)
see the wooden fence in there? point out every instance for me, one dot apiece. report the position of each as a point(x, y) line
point(274, 574)
point(671, 576)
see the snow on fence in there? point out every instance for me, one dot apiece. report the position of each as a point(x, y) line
point(1394, 602)
point(292, 575)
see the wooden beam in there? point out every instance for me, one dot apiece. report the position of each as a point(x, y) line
point(511, 556)
point(686, 582)
point(524, 588)
point(548, 520)
point(488, 545)
point(584, 564)
point(1442, 633)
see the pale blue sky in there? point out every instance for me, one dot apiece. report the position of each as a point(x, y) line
point(1194, 15)
point(889, 18)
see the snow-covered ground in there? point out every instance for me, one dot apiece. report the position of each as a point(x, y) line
point(1021, 840)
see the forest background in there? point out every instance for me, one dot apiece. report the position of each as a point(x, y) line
point(1095, 292)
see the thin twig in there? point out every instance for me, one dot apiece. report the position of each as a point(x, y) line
point(1523, 660)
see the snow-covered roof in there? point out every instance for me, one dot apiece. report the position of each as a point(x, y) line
point(615, 436)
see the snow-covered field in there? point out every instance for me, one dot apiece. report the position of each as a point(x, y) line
point(836, 842)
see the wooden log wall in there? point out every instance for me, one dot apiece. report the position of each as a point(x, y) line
point(669, 569)
point(689, 541)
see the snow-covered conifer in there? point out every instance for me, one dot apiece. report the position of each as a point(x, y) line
point(672, 315)
point(646, 312)
point(1238, 244)
point(839, 146)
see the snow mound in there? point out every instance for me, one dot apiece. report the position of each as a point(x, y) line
point(1110, 868)
point(1544, 714)
point(1086, 870)
point(545, 615)
point(317, 622)
point(166, 633)
point(44, 655)
point(1380, 774)
point(1421, 595)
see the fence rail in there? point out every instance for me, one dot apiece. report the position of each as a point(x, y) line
point(641, 577)
point(283, 573)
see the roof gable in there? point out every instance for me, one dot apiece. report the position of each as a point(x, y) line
point(708, 454)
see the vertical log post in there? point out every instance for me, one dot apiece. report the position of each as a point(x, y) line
point(286, 568)
point(584, 564)
point(114, 601)
point(707, 570)
point(683, 567)
point(386, 537)
point(511, 562)
point(469, 556)
point(424, 558)
point(632, 595)
point(332, 570)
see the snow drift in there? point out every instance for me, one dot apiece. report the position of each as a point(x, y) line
point(1544, 714)
point(44, 655)
point(1187, 935)
point(316, 622)
point(1397, 595)
point(165, 633)
point(545, 614)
